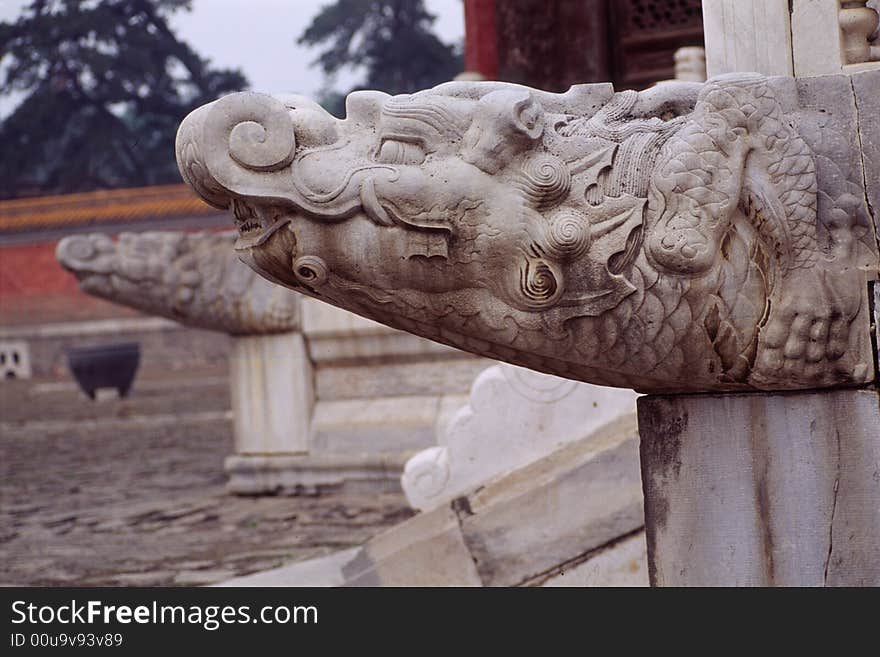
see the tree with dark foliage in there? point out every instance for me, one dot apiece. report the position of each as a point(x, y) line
point(391, 39)
point(106, 83)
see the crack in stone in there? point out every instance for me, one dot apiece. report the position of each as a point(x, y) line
point(540, 578)
point(871, 211)
point(833, 511)
point(875, 220)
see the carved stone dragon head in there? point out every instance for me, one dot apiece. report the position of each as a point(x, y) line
point(585, 234)
point(192, 278)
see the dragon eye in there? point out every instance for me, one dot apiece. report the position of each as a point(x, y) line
point(394, 151)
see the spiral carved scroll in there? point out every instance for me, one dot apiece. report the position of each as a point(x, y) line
point(568, 236)
point(224, 147)
point(544, 180)
point(540, 284)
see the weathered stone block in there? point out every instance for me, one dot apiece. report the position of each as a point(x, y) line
point(757, 490)
point(623, 564)
point(866, 87)
point(428, 550)
point(559, 508)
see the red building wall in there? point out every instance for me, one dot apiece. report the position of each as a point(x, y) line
point(34, 289)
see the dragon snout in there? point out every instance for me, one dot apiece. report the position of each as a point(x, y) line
point(256, 146)
point(231, 147)
point(78, 253)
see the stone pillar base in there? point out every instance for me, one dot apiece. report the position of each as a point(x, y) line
point(762, 489)
point(257, 474)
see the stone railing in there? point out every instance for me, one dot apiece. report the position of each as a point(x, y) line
point(513, 417)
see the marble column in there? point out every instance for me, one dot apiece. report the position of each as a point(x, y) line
point(801, 38)
point(272, 396)
point(736, 34)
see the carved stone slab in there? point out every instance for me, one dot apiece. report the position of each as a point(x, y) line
point(788, 494)
point(513, 417)
point(691, 237)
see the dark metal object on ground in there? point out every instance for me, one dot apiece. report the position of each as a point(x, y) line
point(104, 366)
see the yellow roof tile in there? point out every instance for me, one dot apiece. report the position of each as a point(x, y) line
point(117, 205)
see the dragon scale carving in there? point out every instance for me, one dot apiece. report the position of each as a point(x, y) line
point(689, 237)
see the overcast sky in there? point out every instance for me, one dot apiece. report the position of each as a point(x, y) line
point(259, 36)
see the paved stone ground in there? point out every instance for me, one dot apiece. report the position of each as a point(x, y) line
point(131, 492)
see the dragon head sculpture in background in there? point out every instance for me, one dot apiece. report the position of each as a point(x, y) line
point(683, 238)
point(192, 278)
